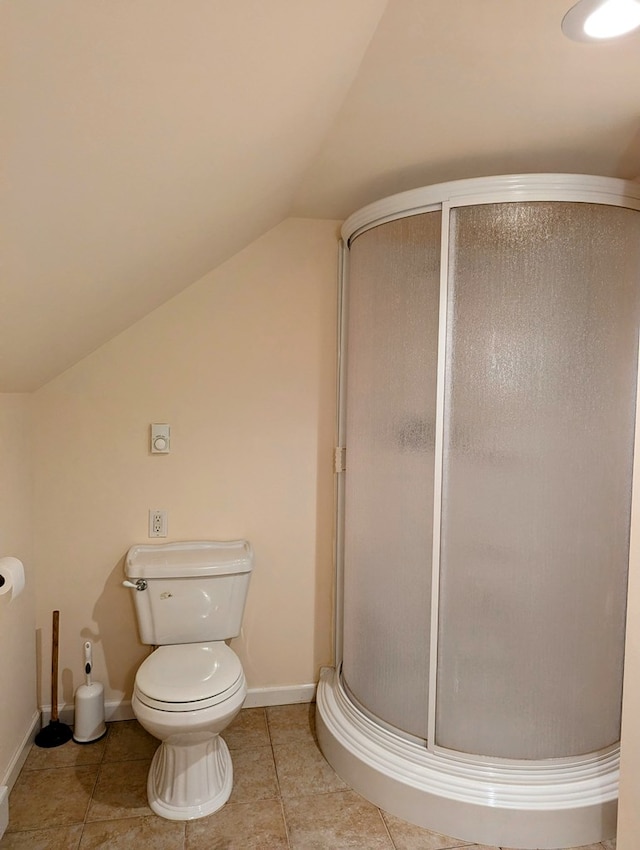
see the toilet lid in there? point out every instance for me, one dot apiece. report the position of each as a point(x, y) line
point(189, 673)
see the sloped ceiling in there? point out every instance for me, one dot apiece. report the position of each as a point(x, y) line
point(465, 88)
point(149, 140)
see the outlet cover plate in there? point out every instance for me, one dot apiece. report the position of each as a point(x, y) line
point(157, 523)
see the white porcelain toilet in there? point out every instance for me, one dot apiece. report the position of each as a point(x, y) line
point(189, 599)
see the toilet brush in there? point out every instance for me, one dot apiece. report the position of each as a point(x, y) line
point(56, 733)
point(89, 724)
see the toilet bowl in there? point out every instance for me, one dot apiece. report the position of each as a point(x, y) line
point(185, 696)
point(189, 600)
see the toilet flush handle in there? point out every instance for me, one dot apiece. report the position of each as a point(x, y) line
point(140, 584)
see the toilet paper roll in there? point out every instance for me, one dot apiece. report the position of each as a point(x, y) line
point(11, 577)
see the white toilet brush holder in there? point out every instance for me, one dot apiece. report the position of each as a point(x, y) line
point(89, 725)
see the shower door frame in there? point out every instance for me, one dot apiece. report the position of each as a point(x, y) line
point(446, 197)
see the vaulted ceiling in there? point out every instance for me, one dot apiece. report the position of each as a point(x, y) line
point(146, 141)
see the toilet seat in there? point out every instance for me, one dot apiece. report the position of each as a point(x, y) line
point(189, 677)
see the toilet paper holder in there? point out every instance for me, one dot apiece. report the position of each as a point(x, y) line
point(12, 578)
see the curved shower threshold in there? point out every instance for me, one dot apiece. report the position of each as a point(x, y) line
point(542, 804)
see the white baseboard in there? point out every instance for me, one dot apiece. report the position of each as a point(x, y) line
point(259, 697)
point(21, 753)
point(256, 698)
point(4, 809)
point(113, 710)
point(14, 768)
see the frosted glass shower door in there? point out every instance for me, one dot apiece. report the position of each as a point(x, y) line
point(539, 424)
point(390, 414)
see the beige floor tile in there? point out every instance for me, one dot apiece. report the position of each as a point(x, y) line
point(254, 775)
point(248, 729)
point(59, 838)
point(291, 723)
point(407, 836)
point(302, 769)
point(240, 826)
point(338, 821)
point(121, 791)
point(150, 833)
point(67, 755)
point(274, 754)
point(48, 798)
point(128, 740)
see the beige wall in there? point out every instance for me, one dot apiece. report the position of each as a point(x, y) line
point(17, 616)
point(629, 787)
point(242, 366)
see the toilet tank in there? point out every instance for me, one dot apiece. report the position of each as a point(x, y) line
point(195, 592)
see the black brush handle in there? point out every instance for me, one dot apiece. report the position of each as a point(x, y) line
point(55, 632)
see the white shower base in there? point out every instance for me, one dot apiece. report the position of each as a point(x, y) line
point(540, 804)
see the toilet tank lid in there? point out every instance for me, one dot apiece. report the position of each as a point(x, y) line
point(196, 558)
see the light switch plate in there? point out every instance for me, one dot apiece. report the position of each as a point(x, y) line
point(160, 438)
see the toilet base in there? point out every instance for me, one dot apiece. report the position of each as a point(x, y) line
point(190, 777)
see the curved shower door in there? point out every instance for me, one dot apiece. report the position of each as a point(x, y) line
point(391, 375)
point(488, 380)
point(539, 417)
point(535, 411)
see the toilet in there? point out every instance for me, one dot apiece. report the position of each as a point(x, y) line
point(189, 599)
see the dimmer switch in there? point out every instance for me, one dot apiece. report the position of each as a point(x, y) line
point(160, 439)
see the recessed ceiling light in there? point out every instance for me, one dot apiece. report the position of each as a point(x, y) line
point(598, 20)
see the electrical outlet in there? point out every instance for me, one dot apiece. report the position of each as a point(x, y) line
point(157, 523)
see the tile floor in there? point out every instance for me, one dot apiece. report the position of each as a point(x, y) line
point(285, 797)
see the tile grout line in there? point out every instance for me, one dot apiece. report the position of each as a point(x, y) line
point(386, 827)
point(93, 790)
point(273, 752)
point(90, 800)
point(275, 768)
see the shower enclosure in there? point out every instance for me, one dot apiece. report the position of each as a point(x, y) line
point(487, 416)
